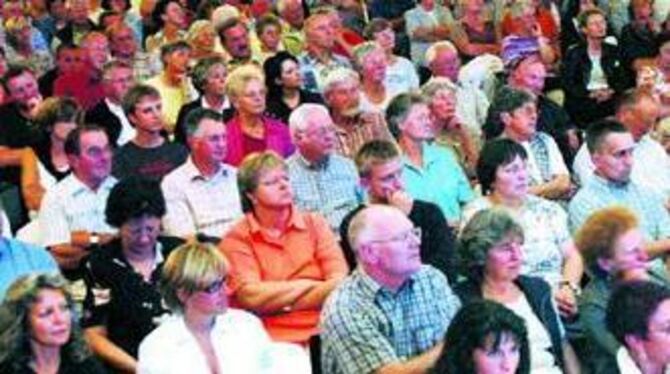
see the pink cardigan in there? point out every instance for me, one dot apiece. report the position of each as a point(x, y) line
point(277, 138)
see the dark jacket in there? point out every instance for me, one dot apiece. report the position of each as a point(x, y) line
point(103, 117)
point(539, 296)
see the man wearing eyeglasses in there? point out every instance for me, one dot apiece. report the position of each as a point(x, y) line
point(391, 313)
point(380, 169)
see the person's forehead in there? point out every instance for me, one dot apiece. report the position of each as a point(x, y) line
point(209, 126)
point(23, 78)
point(148, 101)
point(382, 169)
point(618, 141)
point(93, 139)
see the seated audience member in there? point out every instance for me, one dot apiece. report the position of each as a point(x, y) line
point(513, 115)
point(371, 63)
point(204, 335)
point(613, 248)
point(426, 23)
point(368, 320)
point(472, 104)
point(638, 315)
point(431, 173)
point(284, 84)
point(485, 337)
point(78, 22)
point(639, 38)
point(201, 195)
point(71, 215)
point(401, 75)
point(18, 258)
point(172, 83)
point(268, 31)
point(611, 147)
point(548, 250)
point(209, 79)
point(638, 112)
point(450, 130)
point(353, 126)
point(46, 164)
point(284, 262)
point(86, 85)
point(68, 59)
point(323, 182)
point(346, 38)
point(149, 153)
point(124, 47)
point(122, 303)
point(490, 247)
point(380, 168)
point(319, 58)
point(20, 47)
point(117, 78)
point(529, 73)
point(40, 331)
point(292, 16)
point(250, 130)
point(476, 32)
point(528, 26)
point(127, 14)
point(170, 19)
point(591, 72)
point(202, 38)
point(234, 36)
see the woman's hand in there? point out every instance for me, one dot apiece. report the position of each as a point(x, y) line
point(566, 300)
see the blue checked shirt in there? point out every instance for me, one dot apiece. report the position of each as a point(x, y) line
point(365, 326)
point(599, 193)
point(330, 187)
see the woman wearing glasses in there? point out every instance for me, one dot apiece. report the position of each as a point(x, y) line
point(490, 249)
point(204, 335)
point(285, 262)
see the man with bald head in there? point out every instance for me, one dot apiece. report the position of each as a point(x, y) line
point(370, 322)
point(324, 182)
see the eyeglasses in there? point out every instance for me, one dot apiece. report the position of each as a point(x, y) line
point(413, 234)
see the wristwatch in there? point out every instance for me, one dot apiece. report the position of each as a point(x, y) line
point(574, 287)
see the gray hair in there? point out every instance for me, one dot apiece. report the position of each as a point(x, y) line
point(437, 84)
point(337, 76)
point(299, 120)
point(437, 47)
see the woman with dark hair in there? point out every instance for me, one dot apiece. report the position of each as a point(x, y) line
point(39, 331)
point(548, 251)
point(122, 302)
point(284, 262)
point(284, 83)
point(490, 249)
point(485, 338)
point(46, 163)
point(613, 248)
point(129, 16)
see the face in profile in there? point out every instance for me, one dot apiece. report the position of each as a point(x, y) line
point(497, 357)
point(50, 319)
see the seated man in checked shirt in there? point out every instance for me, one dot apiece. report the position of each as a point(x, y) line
point(391, 313)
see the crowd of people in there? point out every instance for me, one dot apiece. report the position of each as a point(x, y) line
point(335, 186)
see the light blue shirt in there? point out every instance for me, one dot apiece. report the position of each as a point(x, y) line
point(441, 181)
point(19, 258)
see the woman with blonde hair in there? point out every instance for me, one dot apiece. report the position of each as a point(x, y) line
point(39, 331)
point(204, 335)
point(251, 130)
point(202, 38)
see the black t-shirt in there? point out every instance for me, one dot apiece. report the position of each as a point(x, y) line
point(277, 108)
point(152, 163)
point(437, 238)
point(118, 298)
point(16, 131)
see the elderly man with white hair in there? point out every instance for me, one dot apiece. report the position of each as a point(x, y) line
point(323, 182)
point(390, 314)
point(353, 126)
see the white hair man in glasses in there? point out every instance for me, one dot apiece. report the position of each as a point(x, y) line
point(391, 313)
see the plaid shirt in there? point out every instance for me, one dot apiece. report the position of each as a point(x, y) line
point(329, 187)
point(599, 193)
point(365, 326)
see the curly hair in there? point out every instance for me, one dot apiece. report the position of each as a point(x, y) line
point(134, 197)
point(478, 325)
point(597, 236)
point(15, 347)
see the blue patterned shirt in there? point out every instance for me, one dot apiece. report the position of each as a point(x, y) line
point(330, 187)
point(599, 193)
point(365, 326)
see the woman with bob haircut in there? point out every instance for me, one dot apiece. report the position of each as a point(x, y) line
point(204, 335)
point(548, 249)
point(613, 248)
point(285, 262)
point(122, 303)
point(250, 130)
point(39, 331)
point(490, 249)
point(485, 338)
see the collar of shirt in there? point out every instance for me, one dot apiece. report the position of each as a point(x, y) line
point(297, 220)
point(76, 186)
point(318, 165)
point(224, 105)
point(611, 185)
point(373, 289)
point(429, 156)
point(119, 259)
point(194, 173)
